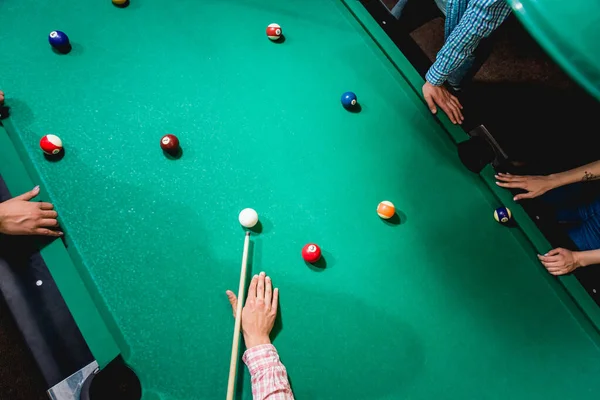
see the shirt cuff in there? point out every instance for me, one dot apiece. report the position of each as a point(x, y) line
point(261, 357)
point(435, 77)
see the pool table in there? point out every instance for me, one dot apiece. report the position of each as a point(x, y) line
point(441, 302)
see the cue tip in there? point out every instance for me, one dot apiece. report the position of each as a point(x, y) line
point(247, 233)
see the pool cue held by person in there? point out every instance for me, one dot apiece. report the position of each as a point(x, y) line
point(268, 375)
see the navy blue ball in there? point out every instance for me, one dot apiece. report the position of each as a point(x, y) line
point(349, 100)
point(58, 39)
point(502, 215)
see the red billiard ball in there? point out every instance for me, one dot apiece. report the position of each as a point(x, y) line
point(51, 144)
point(169, 143)
point(311, 253)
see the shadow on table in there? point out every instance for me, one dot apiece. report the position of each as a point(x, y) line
point(346, 348)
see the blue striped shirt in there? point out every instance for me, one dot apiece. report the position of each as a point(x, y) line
point(467, 22)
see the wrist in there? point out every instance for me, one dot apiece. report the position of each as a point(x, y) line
point(256, 340)
point(557, 180)
point(580, 258)
point(433, 84)
point(434, 77)
point(2, 218)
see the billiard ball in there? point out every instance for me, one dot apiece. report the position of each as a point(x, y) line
point(274, 31)
point(51, 144)
point(58, 39)
point(502, 215)
point(349, 100)
point(311, 253)
point(248, 218)
point(120, 2)
point(386, 209)
point(169, 143)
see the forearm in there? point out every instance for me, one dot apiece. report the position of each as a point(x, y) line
point(459, 46)
point(268, 375)
point(479, 20)
point(589, 257)
point(588, 172)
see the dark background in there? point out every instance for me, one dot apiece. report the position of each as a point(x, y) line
point(19, 376)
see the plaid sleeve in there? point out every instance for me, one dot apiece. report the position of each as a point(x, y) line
point(481, 18)
point(269, 376)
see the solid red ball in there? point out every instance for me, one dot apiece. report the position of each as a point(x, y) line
point(311, 253)
point(169, 143)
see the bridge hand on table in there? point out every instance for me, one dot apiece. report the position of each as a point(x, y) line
point(439, 96)
point(20, 216)
point(259, 312)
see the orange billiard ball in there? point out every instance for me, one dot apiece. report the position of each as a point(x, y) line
point(386, 209)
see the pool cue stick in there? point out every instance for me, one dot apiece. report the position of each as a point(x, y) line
point(238, 321)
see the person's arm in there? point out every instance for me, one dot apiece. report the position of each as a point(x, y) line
point(588, 172)
point(20, 216)
point(268, 375)
point(480, 19)
point(589, 257)
point(562, 261)
point(536, 185)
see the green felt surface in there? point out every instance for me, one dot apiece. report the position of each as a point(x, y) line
point(82, 306)
point(446, 304)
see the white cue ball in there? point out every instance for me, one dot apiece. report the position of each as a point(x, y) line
point(248, 217)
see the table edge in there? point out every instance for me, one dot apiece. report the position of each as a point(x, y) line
point(83, 308)
point(572, 294)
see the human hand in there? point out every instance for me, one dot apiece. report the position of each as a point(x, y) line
point(561, 261)
point(1, 97)
point(535, 185)
point(439, 95)
point(260, 310)
point(19, 216)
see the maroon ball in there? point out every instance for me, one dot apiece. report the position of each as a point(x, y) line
point(169, 143)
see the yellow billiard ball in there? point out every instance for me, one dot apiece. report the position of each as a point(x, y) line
point(119, 2)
